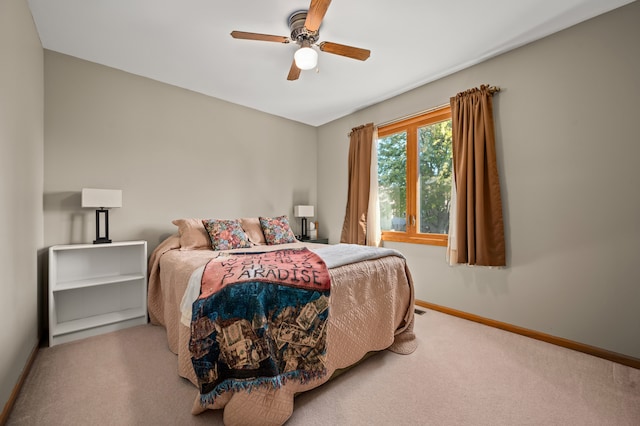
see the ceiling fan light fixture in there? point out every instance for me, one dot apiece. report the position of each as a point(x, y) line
point(306, 58)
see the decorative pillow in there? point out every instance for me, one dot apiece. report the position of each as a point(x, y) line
point(226, 234)
point(251, 226)
point(192, 234)
point(276, 230)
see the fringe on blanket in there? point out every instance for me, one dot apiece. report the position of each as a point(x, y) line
point(271, 383)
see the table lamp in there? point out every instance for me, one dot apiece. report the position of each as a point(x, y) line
point(304, 212)
point(102, 200)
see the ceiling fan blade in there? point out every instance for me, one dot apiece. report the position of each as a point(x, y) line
point(294, 72)
point(261, 37)
point(316, 12)
point(342, 50)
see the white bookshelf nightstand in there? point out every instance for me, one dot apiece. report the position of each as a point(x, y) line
point(96, 288)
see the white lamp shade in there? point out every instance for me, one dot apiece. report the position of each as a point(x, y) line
point(306, 58)
point(303, 211)
point(101, 198)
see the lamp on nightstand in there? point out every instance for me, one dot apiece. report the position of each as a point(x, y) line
point(304, 212)
point(102, 200)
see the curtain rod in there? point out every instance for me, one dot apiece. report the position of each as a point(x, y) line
point(489, 88)
point(415, 114)
point(406, 117)
point(362, 126)
point(492, 90)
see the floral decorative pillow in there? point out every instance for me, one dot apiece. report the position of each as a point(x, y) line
point(226, 234)
point(276, 230)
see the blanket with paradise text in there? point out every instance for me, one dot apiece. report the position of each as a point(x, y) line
point(260, 320)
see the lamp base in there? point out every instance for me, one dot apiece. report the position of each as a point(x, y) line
point(102, 241)
point(305, 234)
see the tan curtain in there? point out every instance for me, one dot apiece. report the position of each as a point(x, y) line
point(477, 228)
point(354, 229)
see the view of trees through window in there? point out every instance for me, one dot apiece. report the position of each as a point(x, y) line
point(434, 161)
point(414, 176)
point(392, 181)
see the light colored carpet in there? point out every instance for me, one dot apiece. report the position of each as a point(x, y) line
point(462, 373)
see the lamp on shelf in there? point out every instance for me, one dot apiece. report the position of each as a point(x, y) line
point(304, 212)
point(102, 200)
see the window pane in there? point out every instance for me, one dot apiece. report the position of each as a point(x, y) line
point(392, 181)
point(434, 188)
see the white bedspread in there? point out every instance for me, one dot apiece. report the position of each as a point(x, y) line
point(345, 254)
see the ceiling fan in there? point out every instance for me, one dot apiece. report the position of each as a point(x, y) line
point(304, 26)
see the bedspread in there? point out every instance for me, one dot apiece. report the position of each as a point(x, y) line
point(371, 309)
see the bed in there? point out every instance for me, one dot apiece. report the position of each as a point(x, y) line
point(370, 309)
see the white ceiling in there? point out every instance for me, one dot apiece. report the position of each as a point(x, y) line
point(186, 43)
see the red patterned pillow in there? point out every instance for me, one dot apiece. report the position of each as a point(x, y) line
point(226, 234)
point(276, 230)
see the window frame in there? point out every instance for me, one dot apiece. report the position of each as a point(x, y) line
point(411, 126)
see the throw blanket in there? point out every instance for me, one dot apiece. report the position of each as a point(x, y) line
point(344, 254)
point(259, 321)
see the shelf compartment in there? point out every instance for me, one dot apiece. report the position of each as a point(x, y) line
point(96, 281)
point(97, 321)
point(97, 262)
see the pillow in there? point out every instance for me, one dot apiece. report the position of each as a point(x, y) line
point(252, 228)
point(192, 234)
point(276, 230)
point(226, 234)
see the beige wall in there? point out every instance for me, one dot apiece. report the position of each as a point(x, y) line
point(568, 147)
point(566, 144)
point(173, 152)
point(21, 162)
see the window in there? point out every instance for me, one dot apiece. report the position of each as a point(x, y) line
point(414, 178)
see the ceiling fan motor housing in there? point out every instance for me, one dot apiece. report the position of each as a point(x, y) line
point(298, 31)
